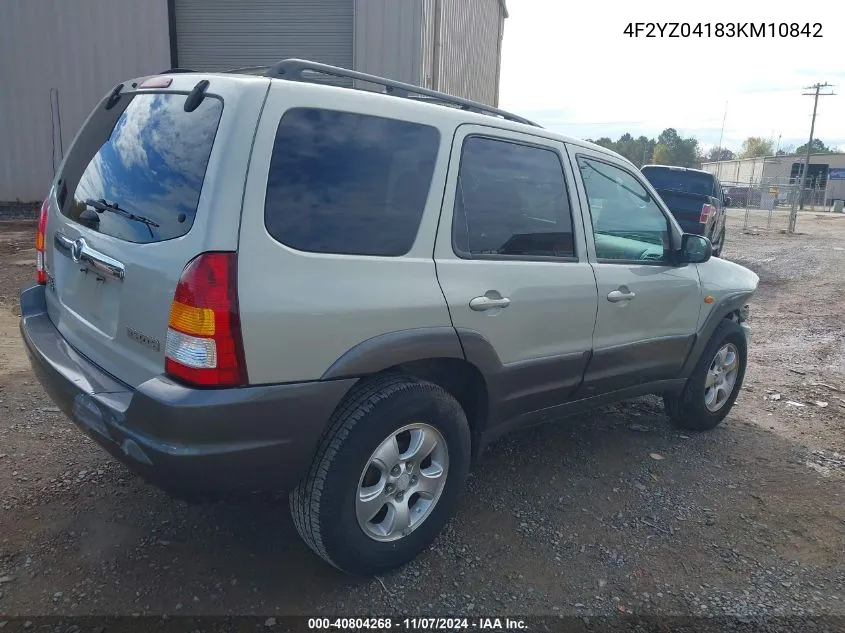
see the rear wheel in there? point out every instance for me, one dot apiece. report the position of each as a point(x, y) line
point(714, 385)
point(386, 475)
point(719, 247)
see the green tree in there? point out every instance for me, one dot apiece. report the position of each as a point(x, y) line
point(818, 147)
point(662, 155)
point(606, 143)
point(671, 149)
point(637, 150)
point(756, 147)
point(642, 150)
point(716, 154)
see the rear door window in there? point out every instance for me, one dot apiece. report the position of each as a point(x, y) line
point(348, 183)
point(511, 202)
point(144, 182)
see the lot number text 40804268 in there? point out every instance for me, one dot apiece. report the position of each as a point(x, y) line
point(417, 624)
point(723, 29)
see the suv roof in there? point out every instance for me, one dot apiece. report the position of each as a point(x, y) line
point(326, 76)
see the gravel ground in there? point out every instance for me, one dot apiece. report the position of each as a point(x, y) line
point(607, 513)
point(19, 210)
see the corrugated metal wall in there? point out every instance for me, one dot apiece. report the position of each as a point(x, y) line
point(398, 39)
point(81, 49)
point(222, 34)
point(387, 38)
point(470, 48)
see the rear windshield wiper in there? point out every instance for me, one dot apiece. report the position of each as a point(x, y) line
point(101, 205)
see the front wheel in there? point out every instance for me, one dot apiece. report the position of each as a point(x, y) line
point(386, 476)
point(714, 385)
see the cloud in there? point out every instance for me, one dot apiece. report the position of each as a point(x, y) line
point(127, 141)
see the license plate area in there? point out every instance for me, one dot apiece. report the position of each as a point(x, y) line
point(88, 295)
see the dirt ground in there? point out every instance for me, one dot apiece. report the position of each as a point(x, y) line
point(570, 518)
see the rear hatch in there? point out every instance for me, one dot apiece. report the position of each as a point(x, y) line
point(138, 196)
point(685, 193)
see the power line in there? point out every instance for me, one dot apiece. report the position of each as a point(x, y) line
point(793, 214)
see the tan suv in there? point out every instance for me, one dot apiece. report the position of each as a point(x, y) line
point(267, 281)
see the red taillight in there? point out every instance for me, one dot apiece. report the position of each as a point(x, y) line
point(706, 210)
point(40, 243)
point(204, 343)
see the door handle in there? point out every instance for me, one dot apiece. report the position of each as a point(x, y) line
point(480, 304)
point(81, 253)
point(623, 294)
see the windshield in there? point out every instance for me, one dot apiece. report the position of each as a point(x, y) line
point(679, 180)
point(147, 175)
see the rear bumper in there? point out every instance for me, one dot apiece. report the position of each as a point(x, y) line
point(176, 437)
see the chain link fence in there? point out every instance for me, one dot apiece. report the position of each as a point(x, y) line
point(769, 202)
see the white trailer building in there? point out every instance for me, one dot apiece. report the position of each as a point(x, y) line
point(825, 175)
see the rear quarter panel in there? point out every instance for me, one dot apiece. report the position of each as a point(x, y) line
point(302, 311)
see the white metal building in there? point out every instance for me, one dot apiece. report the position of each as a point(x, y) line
point(58, 58)
point(826, 172)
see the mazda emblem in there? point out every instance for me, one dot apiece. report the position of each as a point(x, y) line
point(76, 250)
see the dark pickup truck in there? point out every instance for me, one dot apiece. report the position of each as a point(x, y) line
point(695, 198)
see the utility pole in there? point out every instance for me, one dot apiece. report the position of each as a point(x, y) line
point(793, 213)
point(722, 134)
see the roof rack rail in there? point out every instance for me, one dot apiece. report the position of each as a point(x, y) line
point(295, 69)
point(172, 71)
point(247, 69)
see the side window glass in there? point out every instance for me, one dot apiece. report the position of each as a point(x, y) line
point(627, 223)
point(348, 183)
point(511, 201)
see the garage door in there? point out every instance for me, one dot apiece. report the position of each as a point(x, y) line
point(222, 34)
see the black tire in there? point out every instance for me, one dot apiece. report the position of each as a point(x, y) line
point(717, 250)
point(687, 409)
point(323, 505)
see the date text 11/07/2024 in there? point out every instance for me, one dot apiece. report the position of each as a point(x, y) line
point(723, 29)
point(416, 624)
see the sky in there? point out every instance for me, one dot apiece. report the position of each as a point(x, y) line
point(570, 67)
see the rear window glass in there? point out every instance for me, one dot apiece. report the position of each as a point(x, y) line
point(348, 183)
point(143, 183)
point(676, 180)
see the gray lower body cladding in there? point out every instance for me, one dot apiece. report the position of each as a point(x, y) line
point(260, 437)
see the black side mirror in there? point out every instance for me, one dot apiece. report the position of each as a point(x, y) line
point(727, 202)
point(695, 249)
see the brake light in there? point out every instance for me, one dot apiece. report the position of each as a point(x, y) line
point(157, 82)
point(706, 210)
point(40, 243)
point(204, 344)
